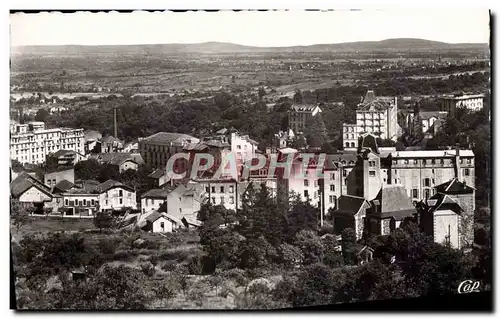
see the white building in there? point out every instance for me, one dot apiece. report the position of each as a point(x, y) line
point(470, 102)
point(114, 195)
point(153, 199)
point(162, 223)
point(31, 143)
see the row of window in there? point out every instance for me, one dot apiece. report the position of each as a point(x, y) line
point(213, 189)
point(81, 202)
point(431, 161)
point(428, 192)
point(222, 200)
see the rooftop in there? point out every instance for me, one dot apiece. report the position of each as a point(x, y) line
point(305, 108)
point(156, 193)
point(109, 184)
point(164, 138)
point(454, 187)
point(350, 205)
point(394, 202)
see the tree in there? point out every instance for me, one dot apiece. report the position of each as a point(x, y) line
point(88, 169)
point(297, 97)
point(311, 246)
point(348, 245)
point(315, 286)
point(316, 131)
point(301, 216)
point(19, 216)
point(41, 115)
point(103, 220)
point(107, 172)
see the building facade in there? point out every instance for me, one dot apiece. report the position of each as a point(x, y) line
point(158, 148)
point(471, 102)
point(300, 115)
point(31, 143)
point(114, 195)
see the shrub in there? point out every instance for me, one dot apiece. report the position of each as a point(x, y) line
point(124, 255)
point(108, 246)
point(326, 230)
point(179, 255)
point(195, 265)
point(238, 275)
point(169, 265)
point(148, 269)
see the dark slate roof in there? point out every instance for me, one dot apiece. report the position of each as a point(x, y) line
point(64, 185)
point(394, 202)
point(24, 181)
point(369, 141)
point(118, 158)
point(63, 153)
point(454, 187)
point(373, 102)
point(109, 184)
point(444, 202)
point(164, 138)
point(156, 193)
point(153, 217)
point(303, 108)
point(157, 173)
point(349, 204)
point(110, 139)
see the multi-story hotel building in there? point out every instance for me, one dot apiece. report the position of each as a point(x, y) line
point(375, 114)
point(300, 115)
point(471, 102)
point(31, 143)
point(158, 148)
point(419, 172)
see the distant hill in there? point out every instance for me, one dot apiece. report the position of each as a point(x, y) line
point(402, 44)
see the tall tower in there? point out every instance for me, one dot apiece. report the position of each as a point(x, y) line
point(115, 123)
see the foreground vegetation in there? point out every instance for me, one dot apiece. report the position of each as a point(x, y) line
point(269, 255)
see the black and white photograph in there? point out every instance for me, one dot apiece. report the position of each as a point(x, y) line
point(248, 159)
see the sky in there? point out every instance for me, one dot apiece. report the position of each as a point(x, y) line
point(272, 28)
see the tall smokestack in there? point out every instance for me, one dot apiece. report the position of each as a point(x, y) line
point(115, 123)
point(458, 170)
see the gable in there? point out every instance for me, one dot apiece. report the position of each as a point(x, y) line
point(33, 194)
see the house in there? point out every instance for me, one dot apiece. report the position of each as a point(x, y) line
point(51, 179)
point(131, 147)
point(63, 158)
point(158, 177)
point(185, 200)
point(111, 144)
point(152, 200)
point(191, 222)
point(92, 141)
point(440, 219)
point(30, 191)
point(123, 161)
point(79, 202)
point(351, 213)
point(300, 115)
point(388, 209)
point(162, 223)
point(115, 195)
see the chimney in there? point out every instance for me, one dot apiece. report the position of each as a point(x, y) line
point(115, 123)
point(458, 170)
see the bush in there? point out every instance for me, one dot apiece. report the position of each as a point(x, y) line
point(326, 230)
point(195, 265)
point(179, 255)
point(148, 269)
point(124, 255)
point(169, 265)
point(108, 246)
point(238, 275)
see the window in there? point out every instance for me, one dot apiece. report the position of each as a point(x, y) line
point(231, 199)
point(222, 189)
point(84, 202)
point(344, 173)
point(415, 161)
point(469, 161)
point(424, 161)
point(207, 189)
point(180, 210)
point(213, 200)
point(414, 193)
point(371, 163)
point(315, 194)
point(306, 182)
point(330, 199)
point(407, 161)
point(433, 161)
point(238, 147)
point(372, 173)
point(352, 144)
point(106, 202)
point(346, 144)
point(332, 188)
point(306, 193)
point(231, 189)
point(162, 225)
point(315, 183)
point(180, 199)
point(433, 181)
point(345, 181)
point(222, 200)
point(395, 172)
point(121, 201)
point(461, 161)
point(213, 189)
point(466, 172)
point(442, 161)
point(120, 193)
point(427, 182)
point(92, 202)
point(66, 202)
point(333, 176)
